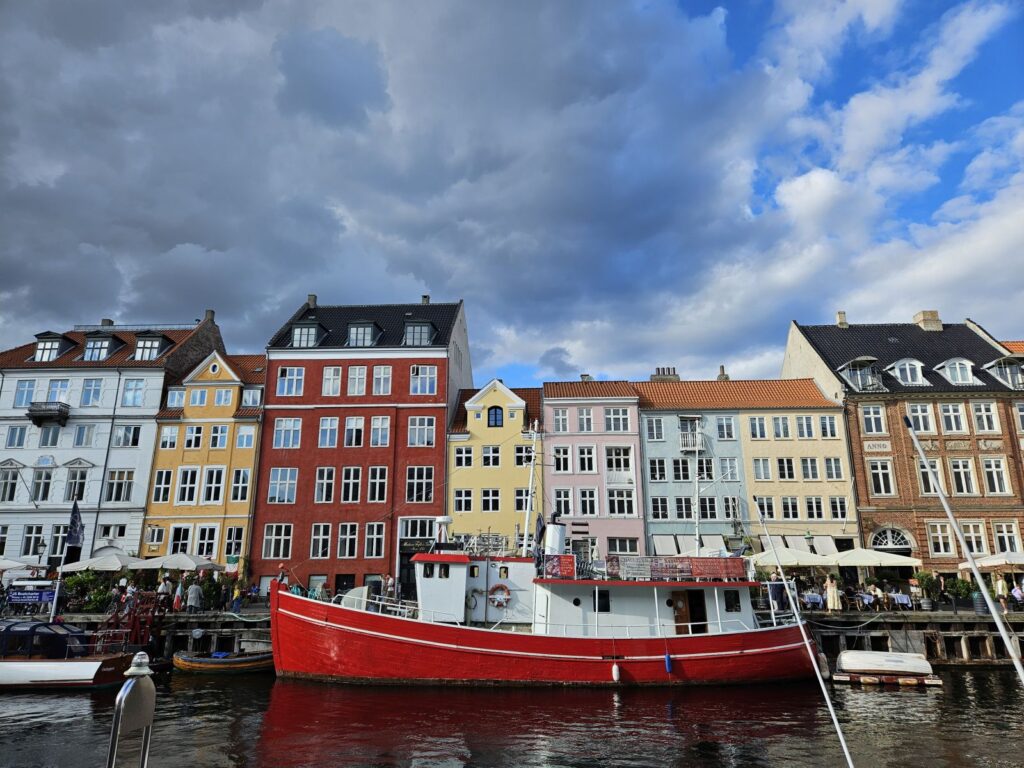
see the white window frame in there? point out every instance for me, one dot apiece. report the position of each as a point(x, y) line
point(382, 380)
point(330, 385)
point(356, 385)
point(182, 487)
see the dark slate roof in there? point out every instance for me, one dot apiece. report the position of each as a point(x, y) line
point(121, 356)
point(389, 318)
point(890, 342)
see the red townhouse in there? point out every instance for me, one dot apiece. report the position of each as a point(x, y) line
point(351, 476)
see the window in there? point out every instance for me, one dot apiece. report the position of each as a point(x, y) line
point(48, 436)
point(588, 502)
point(495, 416)
point(356, 380)
point(1020, 416)
point(381, 383)
point(304, 336)
point(131, 397)
point(490, 500)
point(197, 397)
point(464, 455)
point(119, 485)
point(25, 391)
point(331, 385)
point(786, 470)
point(168, 437)
point(320, 541)
point(616, 546)
point(289, 381)
point(92, 389)
point(194, 436)
point(620, 502)
point(491, 456)
point(154, 535)
point(585, 459)
point(940, 541)
point(659, 508)
point(921, 417)
point(323, 490)
point(348, 540)
point(655, 429)
point(147, 349)
point(127, 436)
point(421, 431)
point(353, 431)
point(42, 480)
point(813, 507)
point(871, 415)
point(958, 372)
point(46, 352)
point(419, 484)
point(206, 541)
point(828, 426)
point(995, 475)
point(952, 417)
point(731, 507)
point(765, 506)
point(219, 436)
point(780, 427)
point(75, 488)
point(463, 500)
point(16, 437)
point(560, 456)
point(656, 470)
point(757, 428)
point(985, 419)
point(585, 419)
point(58, 391)
point(805, 427)
point(277, 541)
point(560, 421)
point(161, 486)
point(974, 537)
point(790, 508)
point(240, 485)
point(8, 485)
point(251, 398)
point(522, 498)
point(927, 485)
point(762, 469)
point(188, 484)
point(245, 437)
point(418, 334)
point(175, 399)
point(833, 468)
point(880, 474)
point(809, 468)
point(180, 536)
point(618, 460)
point(729, 469)
point(287, 433)
point(222, 396)
point(351, 480)
point(680, 470)
point(3, 539)
point(838, 506)
point(328, 432)
point(708, 508)
point(1003, 534)
point(616, 420)
point(705, 469)
point(360, 335)
point(523, 455)
point(963, 476)
point(374, 546)
point(423, 380)
point(726, 427)
point(380, 431)
point(31, 540)
point(281, 489)
point(909, 373)
point(684, 508)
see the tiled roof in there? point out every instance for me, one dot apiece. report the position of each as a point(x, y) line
point(251, 369)
point(587, 389)
point(731, 395)
point(890, 342)
point(21, 357)
point(390, 319)
point(529, 395)
point(1017, 347)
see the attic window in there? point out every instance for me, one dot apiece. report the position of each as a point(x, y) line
point(360, 335)
point(958, 371)
point(147, 349)
point(46, 351)
point(96, 349)
point(175, 398)
point(418, 334)
point(1009, 372)
point(908, 372)
point(304, 336)
point(863, 375)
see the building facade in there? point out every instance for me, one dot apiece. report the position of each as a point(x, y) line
point(491, 442)
point(353, 453)
point(78, 423)
point(964, 393)
point(204, 463)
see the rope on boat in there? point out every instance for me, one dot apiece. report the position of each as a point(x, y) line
point(855, 626)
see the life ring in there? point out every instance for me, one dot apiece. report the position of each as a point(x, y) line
point(499, 596)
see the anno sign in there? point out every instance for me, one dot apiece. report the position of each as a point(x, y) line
point(874, 446)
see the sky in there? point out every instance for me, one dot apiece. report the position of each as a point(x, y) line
point(609, 187)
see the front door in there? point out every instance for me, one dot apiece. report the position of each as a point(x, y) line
point(681, 611)
point(698, 611)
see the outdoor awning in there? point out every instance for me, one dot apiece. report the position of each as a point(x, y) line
point(998, 560)
point(665, 546)
point(797, 542)
point(776, 540)
point(713, 541)
point(825, 545)
point(687, 546)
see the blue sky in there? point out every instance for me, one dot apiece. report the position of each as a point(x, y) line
point(610, 187)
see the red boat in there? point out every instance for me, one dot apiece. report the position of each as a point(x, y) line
point(487, 620)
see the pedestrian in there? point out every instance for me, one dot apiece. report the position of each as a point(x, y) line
point(832, 595)
point(163, 593)
point(1002, 593)
point(225, 596)
point(389, 586)
point(236, 602)
point(195, 597)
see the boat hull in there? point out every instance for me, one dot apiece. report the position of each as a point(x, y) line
point(83, 673)
point(319, 640)
point(205, 665)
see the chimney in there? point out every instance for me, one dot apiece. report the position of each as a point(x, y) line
point(722, 375)
point(586, 377)
point(665, 374)
point(209, 316)
point(928, 320)
point(841, 319)
point(311, 300)
point(425, 298)
point(106, 321)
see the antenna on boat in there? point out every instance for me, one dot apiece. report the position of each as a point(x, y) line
point(807, 642)
point(529, 492)
point(1011, 648)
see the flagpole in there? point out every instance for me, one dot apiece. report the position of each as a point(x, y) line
point(60, 572)
point(73, 538)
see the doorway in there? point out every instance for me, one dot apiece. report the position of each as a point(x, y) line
point(690, 612)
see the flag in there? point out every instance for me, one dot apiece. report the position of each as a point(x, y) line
point(538, 535)
point(76, 530)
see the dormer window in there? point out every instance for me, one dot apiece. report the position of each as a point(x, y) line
point(96, 349)
point(908, 372)
point(495, 416)
point(304, 336)
point(46, 351)
point(147, 349)
point(176, 398)
point(360, 335)
point(1008, 370)
point(957, 371)
point(418, 334)
point(863, 375)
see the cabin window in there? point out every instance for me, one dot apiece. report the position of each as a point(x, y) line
point(428, 570)
point(503, 572)
point(474, 571)
point(602, 601)
point(576, 601)
point(732, 601)
point(442, 571)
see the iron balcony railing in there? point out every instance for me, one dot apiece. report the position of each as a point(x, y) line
point(43, 411)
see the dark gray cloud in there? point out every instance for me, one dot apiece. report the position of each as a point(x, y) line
point(557, 362)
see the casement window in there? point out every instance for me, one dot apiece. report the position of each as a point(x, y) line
point(374, 544)
point(974, 536)
point(995, 475)
point(92, 390)
point(42, 482)
point(3, 539)
point(731, 507)
point(560, 458)
point(655, 429)
point(705, 469)
point(952, 417)
point(726, 426)
point(585, 419)
point(119, 485)
point(656, 470)
point(206, 541)
point(805, 427)
point(351, 480)
point(921, 417)
point(323, 489)
point(84, 435)
point(616, 420)
point(833, 468)
point(880, 477)
point(837, 504)
point(304, 336)
point(58, 391)
point(320, 541)
point(827, 425)
point(985, 418)
point(757, 428)
point(181, 537)
point(588, 502)
point(491, 456)
point(377, 486)
point(222, 397)
point(175, 399)
point(361, 335)
point(418, 334)
point(684, 508)
point(765, 506)
point(353, 431)
point(963, 477)
point(780, 427)
point(127, 436)
point(331, 386)
point(622, 546)
point(1004, 534)
point(219, 436)
point(490, 500)
point(618, 459)
point(1020, 416)
point(958, 372)
point(240, 484)
point(421, 431)
point(523, 455)
point(290, 381)
point(814, 508)
point(522, 498)
point(620, 502)
point(31, 540)
point(463, 500)
point(287, 433)
point(147, 349)
point(233, 541)
point(188, 485)
point(728, 467)
point(25, 390)
point(251, 398)
point(132, 395)
point(245, 436)
point(585, 463)
point(16, 437)
point(786, 469)
point(909, 373)
point(680, 470)
point(168, 437)
point(809, 468)
point(197, 398)
point(277, 541)
point(49, 435)
point(75, 488)
point(328, 432)
point(356, 380)
point(194, 436)
point(708, 508)
point(659, 508)
point(423, 380)
point(464, 455)
point(46, 352)
point(281, 489)
point(8, 485)
point(419, 485)
point(560, 420)
point(155, 535)
point(790, 507)
point(872, 419)
point(762, 469)
point(928, 487)
point(380, 431)
point(382, 379)
point(213, 485)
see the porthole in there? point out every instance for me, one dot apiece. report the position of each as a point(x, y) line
point(576, 602)
point(669, 603)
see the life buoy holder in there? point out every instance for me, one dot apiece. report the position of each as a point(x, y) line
point(499, 596)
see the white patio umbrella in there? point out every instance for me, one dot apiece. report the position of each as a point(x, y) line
point(112, 561)
point(179, 561)
point(872, 558)
point(998, 560)
point(6, 564)
point(789, 558)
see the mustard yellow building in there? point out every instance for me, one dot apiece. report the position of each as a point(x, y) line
point(205, 460)
point(490, 444)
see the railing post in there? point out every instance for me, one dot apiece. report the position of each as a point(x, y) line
point(134, 708)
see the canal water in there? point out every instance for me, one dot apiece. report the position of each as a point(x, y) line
point(260, 721)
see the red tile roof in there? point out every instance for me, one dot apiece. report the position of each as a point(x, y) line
point(251, 369)
point(732, 395)
point(21, 357)
point(1017, 347)
point(529, 395)
point(587, 389)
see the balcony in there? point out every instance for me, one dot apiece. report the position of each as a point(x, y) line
point(618, 477)
point(45, 411)
point(691, 441)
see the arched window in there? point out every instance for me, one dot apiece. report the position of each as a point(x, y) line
point(495, 416)
point(891, 540)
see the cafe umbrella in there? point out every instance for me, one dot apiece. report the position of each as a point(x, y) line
point(7, 564)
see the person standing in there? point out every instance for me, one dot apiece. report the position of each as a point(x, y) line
point(1002, 593)
point(832, 595)
point(236, 603)
point(195, 598)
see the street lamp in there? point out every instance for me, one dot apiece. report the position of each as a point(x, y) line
point(40, 549)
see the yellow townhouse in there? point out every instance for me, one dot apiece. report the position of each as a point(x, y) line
point(205, 460)
point(490, 444)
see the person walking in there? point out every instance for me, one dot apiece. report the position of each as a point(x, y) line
point(195, 598)
point(832, 602)
point(236, 602)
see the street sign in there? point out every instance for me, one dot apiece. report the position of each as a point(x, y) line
point(26, 597)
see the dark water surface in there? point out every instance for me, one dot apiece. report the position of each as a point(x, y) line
point(260, 721)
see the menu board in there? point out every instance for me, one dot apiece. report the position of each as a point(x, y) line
point(560, 566)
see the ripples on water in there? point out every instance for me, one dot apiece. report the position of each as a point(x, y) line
point(257, 721)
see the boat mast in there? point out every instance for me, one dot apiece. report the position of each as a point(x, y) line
point(529, 491)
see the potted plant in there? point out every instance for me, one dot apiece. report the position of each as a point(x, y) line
point(960, 589)
point(929, 587)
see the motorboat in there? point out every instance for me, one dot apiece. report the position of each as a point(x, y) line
point(884, 668)
point(43, 654)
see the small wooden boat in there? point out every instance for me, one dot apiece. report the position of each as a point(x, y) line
point(882, 668)
point(221, 663)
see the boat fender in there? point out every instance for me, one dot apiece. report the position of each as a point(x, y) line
point(499, 596)
point(668, 663)
point(823, 666)
point(471, 602)
point(615, 673)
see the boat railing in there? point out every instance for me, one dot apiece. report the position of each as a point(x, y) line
point(649, 630)
point(107, 641)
